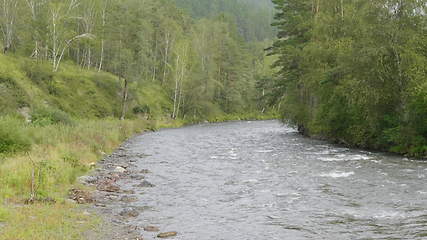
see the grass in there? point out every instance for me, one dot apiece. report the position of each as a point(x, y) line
point(12, 136)
point(60, 153)
point(47, 222)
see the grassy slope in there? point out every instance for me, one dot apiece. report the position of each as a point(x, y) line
point(80, 93)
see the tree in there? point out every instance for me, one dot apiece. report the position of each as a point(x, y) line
point(8, 18)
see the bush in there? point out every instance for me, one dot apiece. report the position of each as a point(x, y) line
point(145, 109)
point(12, 137)
point(45, 116)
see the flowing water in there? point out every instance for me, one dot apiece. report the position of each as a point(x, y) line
point(262, 180)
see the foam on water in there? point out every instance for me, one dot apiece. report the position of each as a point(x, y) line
point(344, 157)
point(264, 151)
point(337, 174)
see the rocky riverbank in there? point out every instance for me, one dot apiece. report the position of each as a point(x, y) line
point(114, 202)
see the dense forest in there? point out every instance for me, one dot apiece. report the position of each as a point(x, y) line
point(163, 61)
point(253, 17)
point(354, 71)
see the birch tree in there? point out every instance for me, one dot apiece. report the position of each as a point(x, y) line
point(104, 7)
point(61, 36)
point(8, 18)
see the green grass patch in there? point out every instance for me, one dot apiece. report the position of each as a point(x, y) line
point(12, 136)
point(48, 222)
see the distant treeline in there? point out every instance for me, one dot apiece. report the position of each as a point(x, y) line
point(253, 17)
point(354, 71)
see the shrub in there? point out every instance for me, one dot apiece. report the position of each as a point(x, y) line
point(12, 137)
point(145, 109)
point(45, 116)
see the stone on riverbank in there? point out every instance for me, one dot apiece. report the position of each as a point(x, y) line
point(151, 229)
point(129, 212)
point(108, 187)
point(137, 177)
point(145, 184)
point(129, 199)
point(87, 180)
point(81, 196)
point(167, 234)
point(120, 170)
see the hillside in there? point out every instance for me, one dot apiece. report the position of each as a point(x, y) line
point(28, 85)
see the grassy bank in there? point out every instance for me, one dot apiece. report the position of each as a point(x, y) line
point(58, 154)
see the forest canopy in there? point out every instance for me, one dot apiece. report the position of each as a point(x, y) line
point(253, 17)
point(354, 71)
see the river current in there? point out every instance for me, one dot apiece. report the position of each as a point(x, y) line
point(262, 180)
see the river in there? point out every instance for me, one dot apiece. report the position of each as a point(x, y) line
point(261, 180)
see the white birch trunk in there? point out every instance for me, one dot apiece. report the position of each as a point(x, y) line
point(177, 76)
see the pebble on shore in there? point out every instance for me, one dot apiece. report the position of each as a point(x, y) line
point(167, 234)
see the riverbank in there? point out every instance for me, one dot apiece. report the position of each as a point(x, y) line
point(347, 144)
point(36, 183)
point(109, 200)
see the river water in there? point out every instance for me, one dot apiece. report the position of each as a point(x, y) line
point(262, 180)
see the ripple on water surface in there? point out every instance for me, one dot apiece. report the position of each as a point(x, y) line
point(261, 180)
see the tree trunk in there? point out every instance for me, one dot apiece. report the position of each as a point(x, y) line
point(101, 61)
point(124, 99)
point(102, 56)
point(155, 60)
point(166, 58)
point(177, 75)
point(180, 98)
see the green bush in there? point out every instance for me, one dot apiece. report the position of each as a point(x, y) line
point(12, 137)
point(45, 116)
point(144, 109)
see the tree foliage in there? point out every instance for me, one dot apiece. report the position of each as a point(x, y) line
point(253, 17)
point(354, 71)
